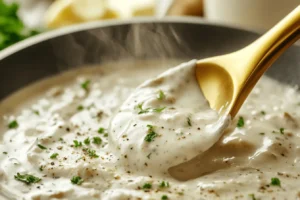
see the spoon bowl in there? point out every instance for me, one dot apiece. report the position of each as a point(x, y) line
point(227, 80)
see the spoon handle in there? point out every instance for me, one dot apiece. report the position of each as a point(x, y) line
point(272, 44)
point(261, 54)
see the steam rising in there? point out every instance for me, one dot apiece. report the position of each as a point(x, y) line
point(130, 42)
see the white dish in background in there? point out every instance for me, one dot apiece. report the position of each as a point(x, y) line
point(32, 11)
point(249, 14)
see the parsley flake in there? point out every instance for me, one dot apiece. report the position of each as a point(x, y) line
point(161, 95)
point(240, 123)
point(85, 85)
point(149, 155)
point(151, 135)
point(77, 143)
point(164, 197)
point(189, 121)
point(77, 180)
point(13, 124)
point(147, 110)
point(41, 146)
point(281, 130)
point(97, 140)
point(252, 196)
point(275, 182)
point(87, 141)
point(147, 186)
point(164, 184)
point(54, 156)
point(101, 130)
point(36, 112)
point(27, 178)
point(41, 168)
point(91, 153)
point(158, 110)
point(142, 111)
point(80, 108)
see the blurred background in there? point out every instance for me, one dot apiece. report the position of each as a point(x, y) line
point(20, 19)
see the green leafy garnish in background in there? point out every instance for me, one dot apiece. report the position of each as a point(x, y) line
point(12, 29)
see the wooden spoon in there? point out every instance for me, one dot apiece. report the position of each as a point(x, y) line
point(227, 80)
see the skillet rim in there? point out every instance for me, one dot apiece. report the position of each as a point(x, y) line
point(113, 22)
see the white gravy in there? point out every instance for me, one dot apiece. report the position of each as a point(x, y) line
point(166, 121)
point(74, 137)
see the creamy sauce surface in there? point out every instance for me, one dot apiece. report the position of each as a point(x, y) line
point(89, 134)
point(168, 119)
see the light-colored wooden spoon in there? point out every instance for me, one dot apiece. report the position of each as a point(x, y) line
point(227, 80)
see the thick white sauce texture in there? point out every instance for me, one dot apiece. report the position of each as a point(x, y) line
point(60, 133)
point(166, 121)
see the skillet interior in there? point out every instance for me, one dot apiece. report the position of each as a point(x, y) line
point(144, 39)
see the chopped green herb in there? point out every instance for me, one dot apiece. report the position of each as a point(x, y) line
point(147, 110)
point(54, 155)
point(106, 135)
point(189, 121)
point(164, 184)
point(101, 130)
point(240, 122)
point(91, 153)
point(161, 95)
point(147, 186)
point(36, 112)
point(151, 135)
point(150, 126)
point(80, 108)
point(85, 85)
point(275, 182)
point(261, 133)
point(77, 143)
point(252, 196)
point(87, 141)
point(27, 178)
point(164, 197)
point(4, 152)
point(158, 110)
point(97, 140)
point(281, 130)
point(142, 111)
point(13, 124)
point(77, 180)
point(148, 156)
point(12, 29)
point(41, 168)
point(262, 112)
point(41, 146)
